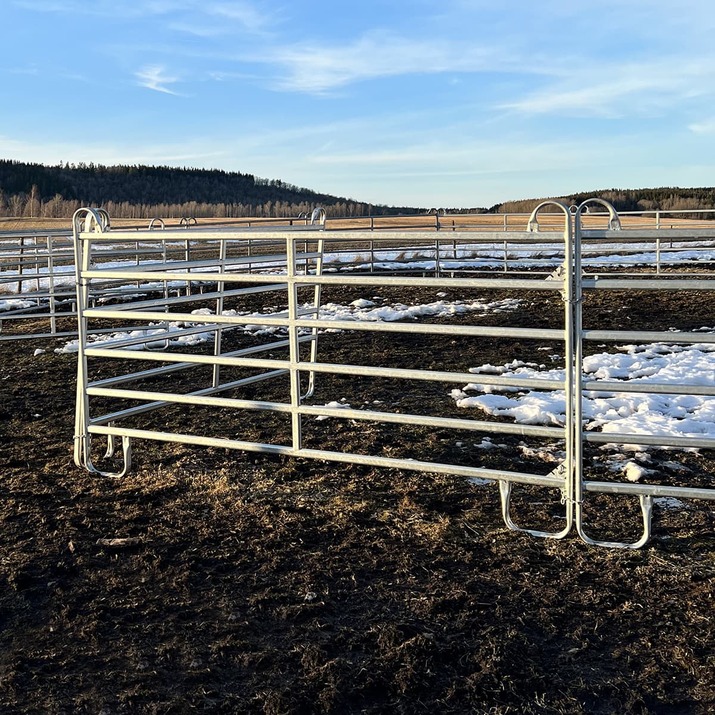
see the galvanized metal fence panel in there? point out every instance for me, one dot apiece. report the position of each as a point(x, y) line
point(299, 262)
point(703, 282)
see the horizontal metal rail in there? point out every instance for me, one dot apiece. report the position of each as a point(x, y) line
point(352, 458)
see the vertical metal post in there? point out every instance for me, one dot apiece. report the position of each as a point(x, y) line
point(187, 258)
point(294, 346)
point(51, 283)
point(36, 261)
point(136, 259)
point(219, 310)
point(575, 402)
point(316, 314)
point(566, 470)
point(571, 298)
point(96, 219)
point(657, 255)
point(21, 266)
point(82, 264)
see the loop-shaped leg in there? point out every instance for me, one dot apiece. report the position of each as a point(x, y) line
point(646, 503)
point(82, 457)
point(110, 444)
point(314, 332)
point(505, 489)
point(311, 386)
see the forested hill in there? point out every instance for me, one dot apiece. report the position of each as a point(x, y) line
point(145, 191)
point(36, 190)
point(670, 198)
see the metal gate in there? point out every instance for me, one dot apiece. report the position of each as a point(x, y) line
point(292, 265)
point(696, 278)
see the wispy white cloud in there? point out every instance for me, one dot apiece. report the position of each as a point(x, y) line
point(32, 70)
point(706, 126)
point(315, 68)
point(196, 152)
point(199, 30)
point(106, 7)
point(245, 13)
point(214, 19)
point(241, 12)
point(155, 77)
point(632, 88)
point(472, 157)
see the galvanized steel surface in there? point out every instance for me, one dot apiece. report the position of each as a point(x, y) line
point(298, 260)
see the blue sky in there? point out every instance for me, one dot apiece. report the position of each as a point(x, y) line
point(422, 103)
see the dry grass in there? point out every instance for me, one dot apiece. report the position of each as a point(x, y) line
point(486, 222)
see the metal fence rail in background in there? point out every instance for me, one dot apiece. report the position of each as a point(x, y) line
point(37, 293)
point(279, 359)
point(37, 272)
point(36, 281)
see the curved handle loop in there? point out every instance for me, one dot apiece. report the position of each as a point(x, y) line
point(614, 222)
point(94, 220)
point(533, 223)
point(318, 216)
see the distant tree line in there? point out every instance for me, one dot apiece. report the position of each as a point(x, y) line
point(671, 198)
point(142, 192)
point(36, 190)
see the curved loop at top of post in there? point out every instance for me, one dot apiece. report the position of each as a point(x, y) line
point(187, 221)
point(104, 215)
point(86, 220)
point(614, 222)
point(157, 222)
point(318, 216)
point(533, 224)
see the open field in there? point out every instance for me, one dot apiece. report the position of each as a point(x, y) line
point(552, 221)
point(254, 583)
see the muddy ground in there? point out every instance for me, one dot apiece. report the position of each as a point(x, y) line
point(261, 584)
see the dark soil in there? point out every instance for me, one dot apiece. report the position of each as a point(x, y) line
point(261, 584)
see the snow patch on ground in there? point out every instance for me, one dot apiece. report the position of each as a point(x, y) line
point(668, 503)
point(333, 405)
point(16, 304)
point(676, 415)
point(359, 310)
